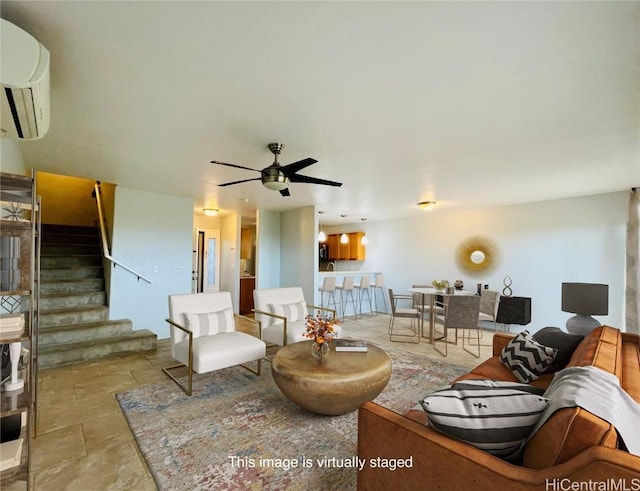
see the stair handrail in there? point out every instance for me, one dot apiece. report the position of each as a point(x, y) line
point(103, 236)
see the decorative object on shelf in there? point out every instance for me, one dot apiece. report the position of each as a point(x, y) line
point(458, 284)
point(506, 291)
point(13, 212)
point(584, 300)
point(15, 383)
point(440, 284)
point(11, 324)
point(321, 331)
point(11, 303)
point(9, 263)
point(477, 255)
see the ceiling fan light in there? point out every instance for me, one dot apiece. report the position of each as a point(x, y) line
point(273, 178)
point(344, 239)
point(277, 185)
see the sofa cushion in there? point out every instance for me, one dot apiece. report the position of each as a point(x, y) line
point(494, 416)
point(564, 342)
point(209, 323)
point(527, 358)
point(292, 311)
point(570, 431)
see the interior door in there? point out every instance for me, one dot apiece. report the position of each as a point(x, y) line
point(209, 253)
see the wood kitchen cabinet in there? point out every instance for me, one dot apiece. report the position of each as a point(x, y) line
point(353, 251)
point(247, 285)
point(246, 243)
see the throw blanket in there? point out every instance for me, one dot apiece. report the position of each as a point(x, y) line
point(598, 392)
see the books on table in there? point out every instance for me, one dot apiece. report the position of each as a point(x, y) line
point(351, 345)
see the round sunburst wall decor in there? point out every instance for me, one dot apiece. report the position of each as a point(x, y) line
point(477, 255)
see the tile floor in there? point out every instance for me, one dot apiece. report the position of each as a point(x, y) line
point(84, 442)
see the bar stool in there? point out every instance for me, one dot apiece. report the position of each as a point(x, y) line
point(347, 288)
point(328, 286)
point(362, 289)
point(379, 283)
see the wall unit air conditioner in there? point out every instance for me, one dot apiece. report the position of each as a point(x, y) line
point(26, 107)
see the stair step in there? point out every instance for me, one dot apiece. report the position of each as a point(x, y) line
point(64, 317)
point(71, 300)
point(70, 261)
point(77, 333)
point(74, 317)
point(47, 274)
point(70, 250)
point(50, 239)
point(137, 341)
point(71, 285)
point(50, 229)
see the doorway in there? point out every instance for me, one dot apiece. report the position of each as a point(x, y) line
point(208, 258)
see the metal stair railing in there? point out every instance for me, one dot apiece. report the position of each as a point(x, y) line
point(103, 236)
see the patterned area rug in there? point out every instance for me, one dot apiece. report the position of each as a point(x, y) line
point(239, 432)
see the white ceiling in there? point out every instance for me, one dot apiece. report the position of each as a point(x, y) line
point(463, 103)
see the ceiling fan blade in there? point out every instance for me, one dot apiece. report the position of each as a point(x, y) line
point(313, 180)
point(234, 165)
point(238, 182)
point(290, 169)
point(285, 192)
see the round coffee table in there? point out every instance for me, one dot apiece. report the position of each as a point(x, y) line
point(338, 385)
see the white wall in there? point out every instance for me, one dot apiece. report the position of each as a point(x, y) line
point(11, 160)
point(152, 234)
point(268, 249)
point(230, 258)
point(298, 250)
point(542, 245)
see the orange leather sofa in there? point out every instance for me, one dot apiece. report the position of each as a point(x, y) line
point(573, 446)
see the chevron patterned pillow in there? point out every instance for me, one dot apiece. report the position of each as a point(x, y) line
point(527, 358)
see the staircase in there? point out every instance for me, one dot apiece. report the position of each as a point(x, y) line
point(74, 325)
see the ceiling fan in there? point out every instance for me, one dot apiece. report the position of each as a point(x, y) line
point(277, 177)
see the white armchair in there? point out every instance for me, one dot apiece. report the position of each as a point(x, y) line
point(282, 312)
point(204, 336)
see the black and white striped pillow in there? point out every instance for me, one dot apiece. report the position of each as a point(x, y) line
point(527, 358)
point(209, 323)
point(494, 416)
point(292, 311)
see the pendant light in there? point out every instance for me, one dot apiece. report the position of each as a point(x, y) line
point(364, 241)
point(322, 237)
point(344, 238)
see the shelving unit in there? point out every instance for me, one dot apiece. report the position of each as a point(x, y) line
point(19, 294)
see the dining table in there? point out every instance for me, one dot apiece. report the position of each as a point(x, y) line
point(432, 293)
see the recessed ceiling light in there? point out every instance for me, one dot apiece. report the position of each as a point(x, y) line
point(427, 205)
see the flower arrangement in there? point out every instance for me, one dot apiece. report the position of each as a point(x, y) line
point(320, 329)
point(440, 284)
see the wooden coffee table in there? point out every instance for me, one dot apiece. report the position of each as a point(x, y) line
point(338, 385)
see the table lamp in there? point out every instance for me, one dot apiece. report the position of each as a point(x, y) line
point(584, 300)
